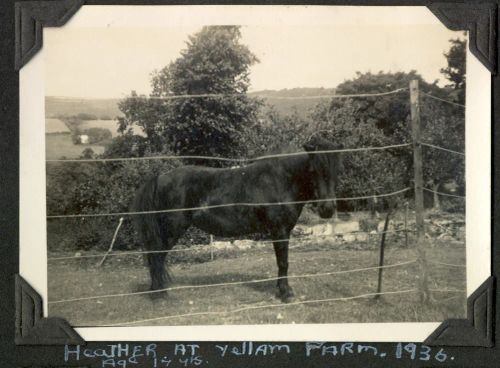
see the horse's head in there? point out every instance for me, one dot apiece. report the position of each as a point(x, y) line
point(323, 169)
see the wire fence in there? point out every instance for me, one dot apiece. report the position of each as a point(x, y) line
point(242, 204)
point(236, 160)
point(182, 287)
point(255, 307)
point(246, 161)
point(254, 281)
point(227, 95)
point(442, 148)
point(199, 248)
point(442, 100)
point(443, 194)
point(447, 264)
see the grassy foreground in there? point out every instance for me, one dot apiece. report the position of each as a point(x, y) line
point(80, 278)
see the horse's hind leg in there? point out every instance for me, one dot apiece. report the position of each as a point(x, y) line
point(156, 263)
point(281, 250)
point(160, 277)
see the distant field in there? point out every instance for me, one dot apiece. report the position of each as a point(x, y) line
point(56, 106)
point(301, 107)
point(55, 126)
point(61, 145)
point(108, 107)
point(111, 125)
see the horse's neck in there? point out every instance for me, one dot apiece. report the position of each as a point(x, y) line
point(300, 176)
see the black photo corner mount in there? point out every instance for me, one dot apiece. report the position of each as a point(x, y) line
point(476, 330)
point(31, 17)
point(480, 20)
point(34, 329)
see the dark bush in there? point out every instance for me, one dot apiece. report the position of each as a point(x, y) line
point(97, 135)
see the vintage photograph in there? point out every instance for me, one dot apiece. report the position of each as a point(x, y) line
point(277, 171)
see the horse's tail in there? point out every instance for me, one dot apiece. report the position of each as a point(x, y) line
point(147, 224)
point(149, 228)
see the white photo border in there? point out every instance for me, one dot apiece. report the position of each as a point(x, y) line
point(32, 206)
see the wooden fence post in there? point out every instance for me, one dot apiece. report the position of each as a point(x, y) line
point(112, 243)
point(419, 193)
point(211, 247)
point(381, 254)
point(407, 205)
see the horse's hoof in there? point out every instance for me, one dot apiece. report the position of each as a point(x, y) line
point(157, 294)
point(287, 298)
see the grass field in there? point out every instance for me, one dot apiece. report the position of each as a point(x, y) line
point(61, 145)
point(80, 278)
point(111, 125)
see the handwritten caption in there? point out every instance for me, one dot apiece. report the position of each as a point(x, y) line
point(190, 355)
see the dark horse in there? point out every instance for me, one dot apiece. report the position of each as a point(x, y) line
point(296, 178)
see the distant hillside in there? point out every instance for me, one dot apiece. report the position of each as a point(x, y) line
point(68, 106)
point(288, 101)
point(108, 108)
point(294, 92)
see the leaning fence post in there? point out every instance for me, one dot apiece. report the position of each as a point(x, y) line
point(407, 205)
point(419, 193)
point(112, 243)
point(211, 247)
point(381, 254)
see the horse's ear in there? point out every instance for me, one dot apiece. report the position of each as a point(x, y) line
point(308, 147)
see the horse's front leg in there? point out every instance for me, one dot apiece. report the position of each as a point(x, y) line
point(156, 262)
point(281, 251)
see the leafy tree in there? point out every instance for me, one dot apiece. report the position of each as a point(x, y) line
point(88, 153)
point(444, 125)
point(363, 173)
point(97, 134)
point(214, 62)
point(455, 72)
point(385, 120)
point(275, 132)
point(86, 188)
point(447, 131)
point(389, 113)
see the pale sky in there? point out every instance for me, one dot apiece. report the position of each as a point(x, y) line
point(103, 54)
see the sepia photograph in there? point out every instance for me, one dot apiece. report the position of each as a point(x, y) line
point(227, 166)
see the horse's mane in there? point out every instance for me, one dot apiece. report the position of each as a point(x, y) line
point(314, 142)
point(289, 148)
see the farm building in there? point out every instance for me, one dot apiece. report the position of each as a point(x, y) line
point(83, 139)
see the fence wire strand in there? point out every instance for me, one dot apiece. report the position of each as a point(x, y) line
point(198, 248)
point(236, 160)
point(253, 307)
point(225, 95)
point(442, 148)
point(447, 264)
point(231, 283)
point(448, 290)
point(442, 99)
point(443, 194)
point(243, 204)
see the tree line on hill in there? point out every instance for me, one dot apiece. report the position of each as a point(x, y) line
point(235, 124)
